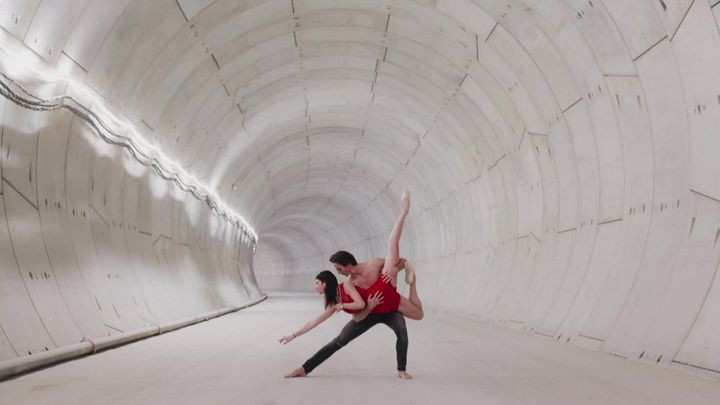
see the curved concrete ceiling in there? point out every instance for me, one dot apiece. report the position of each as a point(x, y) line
point(562, 154)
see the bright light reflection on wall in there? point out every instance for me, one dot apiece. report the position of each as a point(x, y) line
point(24, 66)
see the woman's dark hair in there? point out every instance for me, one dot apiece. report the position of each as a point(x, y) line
point(343, 258)
point(331, 287)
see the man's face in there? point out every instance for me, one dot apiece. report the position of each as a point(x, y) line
point(344, 270)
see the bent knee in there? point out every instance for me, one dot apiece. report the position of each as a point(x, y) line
point(416, 316)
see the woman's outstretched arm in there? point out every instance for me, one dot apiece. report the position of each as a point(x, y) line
point(327, 313)
point(393, 254)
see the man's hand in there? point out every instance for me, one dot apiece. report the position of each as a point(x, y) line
point(375, 300)
point(390, 275)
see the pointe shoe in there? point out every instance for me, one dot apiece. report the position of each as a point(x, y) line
point(409, 273)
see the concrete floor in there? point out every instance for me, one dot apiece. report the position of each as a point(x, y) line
point(236, 360)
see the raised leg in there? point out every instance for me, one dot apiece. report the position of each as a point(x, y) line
point(411, 307)
point(410, 310)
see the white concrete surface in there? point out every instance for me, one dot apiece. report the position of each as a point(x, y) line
point(237, 359)
point(562, 156)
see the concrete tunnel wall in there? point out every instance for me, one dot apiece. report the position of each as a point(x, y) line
point(95, 246)
point(562, 156)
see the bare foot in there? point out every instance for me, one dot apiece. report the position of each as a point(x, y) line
point(404, 375)
point(298, 372)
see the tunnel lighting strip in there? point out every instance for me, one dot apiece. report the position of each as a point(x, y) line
point(145, 153)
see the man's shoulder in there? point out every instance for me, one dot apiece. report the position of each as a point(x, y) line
point(377, 262)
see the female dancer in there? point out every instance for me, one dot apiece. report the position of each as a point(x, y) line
point(337, 298)
point(374, 291)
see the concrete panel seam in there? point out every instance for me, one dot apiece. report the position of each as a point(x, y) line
point(17, 264)
point(705, 195)
point(74, 61)
point(683, 19)
point(692, 365)
point(490, 33)
point(114, 328)
point(591, 337)
point(652, 46)
point(492, 166)
point(572, 105)
point(21, 194)
point(8, 340)
point(697, 315)
point(100, 215)
point(181, 10)
point(31, 18)
point(609, 221)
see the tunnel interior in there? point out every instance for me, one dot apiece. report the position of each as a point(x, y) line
point(163, 160)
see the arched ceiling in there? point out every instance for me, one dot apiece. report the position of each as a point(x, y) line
point(294, 109)
point(298, 101)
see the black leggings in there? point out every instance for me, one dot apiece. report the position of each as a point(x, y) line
point(394, 320)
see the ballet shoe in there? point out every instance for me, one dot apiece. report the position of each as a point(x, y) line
point(409, 273)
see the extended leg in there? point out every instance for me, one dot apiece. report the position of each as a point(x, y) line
point(351, 330)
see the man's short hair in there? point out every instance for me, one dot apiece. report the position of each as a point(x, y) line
point(343, 258)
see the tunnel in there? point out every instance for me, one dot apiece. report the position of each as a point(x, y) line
point(170, 167)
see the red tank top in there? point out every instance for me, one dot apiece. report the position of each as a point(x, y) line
point(391, 298)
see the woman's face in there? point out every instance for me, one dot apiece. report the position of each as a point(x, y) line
point(319, 287)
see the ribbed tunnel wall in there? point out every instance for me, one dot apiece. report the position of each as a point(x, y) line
point(562, 154)
point(95, 245)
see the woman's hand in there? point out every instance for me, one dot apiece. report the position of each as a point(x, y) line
point(339, 307)
point(286, 339)
point(375, 300)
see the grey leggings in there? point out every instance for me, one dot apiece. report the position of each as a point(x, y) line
point(394, 320)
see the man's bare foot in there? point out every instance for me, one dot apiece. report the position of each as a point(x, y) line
point(404, 375)
point(298, 372)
